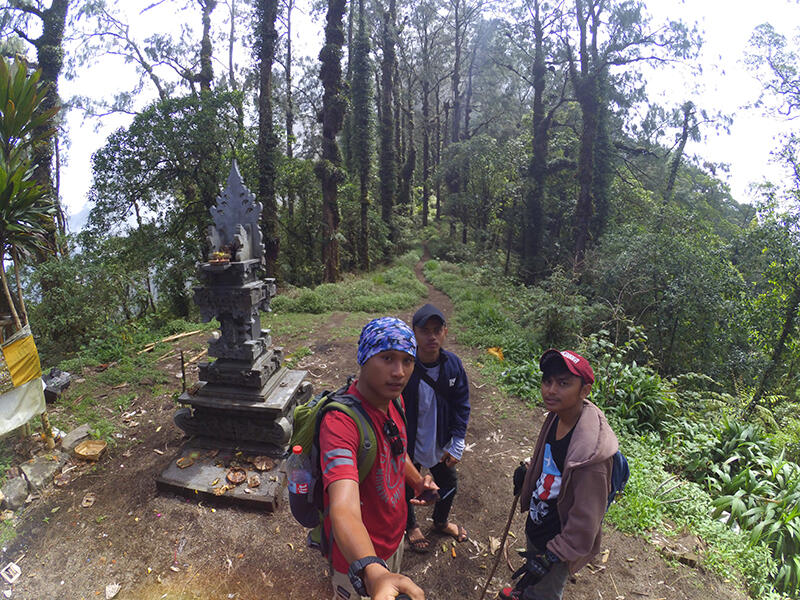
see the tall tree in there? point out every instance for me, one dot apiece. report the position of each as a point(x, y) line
point(542, 117)
point(462, 14)
point(428, 31)
point(387, 173)
point(608, 33)
point(408, 149)
point(361, 137)
point(334, 105)
point(50, 59)
point(777, 65)
point(266, 39)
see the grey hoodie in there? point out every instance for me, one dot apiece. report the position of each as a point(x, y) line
point(585, 485)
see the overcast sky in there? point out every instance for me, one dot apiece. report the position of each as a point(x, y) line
point(726, 86)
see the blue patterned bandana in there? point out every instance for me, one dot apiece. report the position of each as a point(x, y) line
point(386, 333)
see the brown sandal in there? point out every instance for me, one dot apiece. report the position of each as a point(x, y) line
point(421, 545)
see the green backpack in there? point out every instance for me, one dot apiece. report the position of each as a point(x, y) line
point(310, 511)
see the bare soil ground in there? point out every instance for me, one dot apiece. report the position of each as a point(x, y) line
point(159, 545)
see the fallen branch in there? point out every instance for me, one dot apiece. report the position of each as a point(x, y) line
point(663, 483)
point(198, 357)
point(670, 488)
point(508, 560)
point(169, 338)
point(672, 501)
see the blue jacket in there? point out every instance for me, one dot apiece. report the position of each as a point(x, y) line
point(452, 401)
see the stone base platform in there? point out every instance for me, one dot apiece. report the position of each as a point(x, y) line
point(206, 476)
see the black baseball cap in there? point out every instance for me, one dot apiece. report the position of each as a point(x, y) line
point(426, 312)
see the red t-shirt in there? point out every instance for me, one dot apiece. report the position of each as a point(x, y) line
point(383, 502)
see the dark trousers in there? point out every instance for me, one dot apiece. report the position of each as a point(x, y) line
point(447, 480)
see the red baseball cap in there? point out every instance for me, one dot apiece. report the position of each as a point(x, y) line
point(576, 364)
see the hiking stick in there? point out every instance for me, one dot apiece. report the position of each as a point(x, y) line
point(502, 543)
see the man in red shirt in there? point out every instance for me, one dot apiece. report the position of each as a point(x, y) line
point(368, 519)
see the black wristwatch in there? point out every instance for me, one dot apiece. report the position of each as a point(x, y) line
point(356, 572)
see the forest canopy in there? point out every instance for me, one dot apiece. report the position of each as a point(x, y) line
point(520, 136)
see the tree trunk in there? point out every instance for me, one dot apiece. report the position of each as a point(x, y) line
point(388, 158)
point(290, 191)
point(206, 74)
point(361, 138)
point(455, 80)
point(267, 140)
point(207, 177)
point(537, 167)
point(334, 104)
point(397, 94)
point(426, 123)
point(347, 130)
point(603, 173)
point(61, 218)
point(21, 300)
point(7, 292)
point(50, 56)
point(510, 238)
point(585, 85)
point(407, 172)
point(232, 75)
point(438, 154)
point(675, 163)
point(426, 144)
point(789, 324)
point(468, 96)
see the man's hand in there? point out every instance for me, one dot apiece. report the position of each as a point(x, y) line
point(519, 477)
point(424, 484)
point(537, 565)
point(385, 585)
point(449, 460)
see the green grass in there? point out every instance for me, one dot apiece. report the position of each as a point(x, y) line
point(6, 456)
point(390, 289)
point(292, 359)
point(290, 324)
point(7, 532)
point(352, 325)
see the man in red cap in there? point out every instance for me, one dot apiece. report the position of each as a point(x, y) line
point(565, 492)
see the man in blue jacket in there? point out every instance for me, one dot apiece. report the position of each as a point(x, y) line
point(437, 408)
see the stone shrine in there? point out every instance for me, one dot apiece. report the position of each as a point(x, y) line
point(242, 406)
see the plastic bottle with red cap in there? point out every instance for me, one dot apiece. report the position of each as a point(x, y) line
point(298, 474)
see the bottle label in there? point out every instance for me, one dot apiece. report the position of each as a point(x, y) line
point(298, 488)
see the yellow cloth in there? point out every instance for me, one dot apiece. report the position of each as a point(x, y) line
point(22, 360)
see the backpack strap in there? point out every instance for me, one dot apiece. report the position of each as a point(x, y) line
point(368, 441)
point(423, 375)
point(351, 406)
point(399, 407)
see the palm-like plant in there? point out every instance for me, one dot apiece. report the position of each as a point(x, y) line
point(24, 205)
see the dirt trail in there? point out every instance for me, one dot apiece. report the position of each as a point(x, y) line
point(163, 546)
